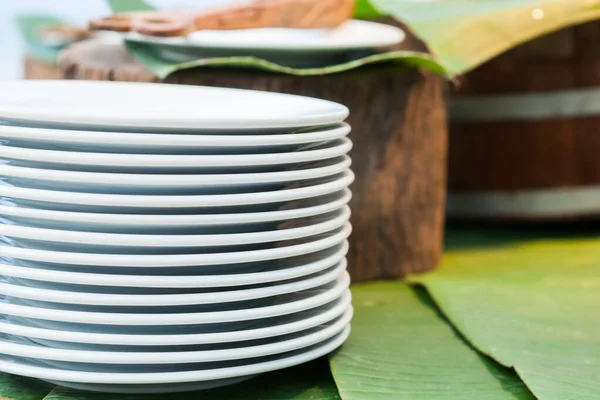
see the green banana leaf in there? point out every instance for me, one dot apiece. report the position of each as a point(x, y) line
point(162, 68)
point(129, 5)
point(463, 34)
point(531, 300)
point(401, 348)
point(365, 10)
point(29, 26)
point(306, 382)
point(18, 388)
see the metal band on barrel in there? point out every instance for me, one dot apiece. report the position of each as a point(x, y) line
point(526, 106)
point(527, 203)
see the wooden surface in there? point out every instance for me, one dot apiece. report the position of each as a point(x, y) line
point(399, 155)
point(33, 69)
point(253, 14)
point(506, 156)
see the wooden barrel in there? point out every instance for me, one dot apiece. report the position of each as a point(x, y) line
point(525, 132)
point(399, 156)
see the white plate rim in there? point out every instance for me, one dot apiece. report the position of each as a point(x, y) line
point(180, 357)
point(331, 112)
point(174, 220)
point(126, 240)
point(160, 281)
point(171, 180)
point(172, 377)
point(394, 35)
point(334, 149)
point(197, 318)
point(178, 260)
point(343, 303)
point(185, 201)
point(105, 299)
point(167, 140)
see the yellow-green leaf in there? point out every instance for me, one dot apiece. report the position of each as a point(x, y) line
point(29, 26)
point(530, 300)
point(364, 9)
point(463, 34)
point(401, 348)
point(163, 68)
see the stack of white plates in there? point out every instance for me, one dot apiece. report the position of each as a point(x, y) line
point(162, 238)
point(299, 48)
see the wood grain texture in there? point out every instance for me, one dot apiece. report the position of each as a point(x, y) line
point(508, 156)
point(33, 69)
point(399, 155)
point(251, 14)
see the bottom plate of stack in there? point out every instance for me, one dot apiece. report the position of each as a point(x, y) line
point(153, 349)
point(154, 329)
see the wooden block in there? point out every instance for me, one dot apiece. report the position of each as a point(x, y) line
point(34, 69)
point(399, 155)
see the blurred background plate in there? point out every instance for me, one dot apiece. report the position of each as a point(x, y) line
point(290, 47)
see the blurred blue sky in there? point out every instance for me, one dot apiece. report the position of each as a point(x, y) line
point(76, 11)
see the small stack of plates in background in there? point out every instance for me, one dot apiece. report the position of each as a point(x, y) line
point(162, 238)
point(299, 48)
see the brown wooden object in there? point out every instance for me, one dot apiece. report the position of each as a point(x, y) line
point(399, 155)
point(34, 69)
point(238, 15)
point(510, 156)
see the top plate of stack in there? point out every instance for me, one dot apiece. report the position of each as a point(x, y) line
point(148, 108)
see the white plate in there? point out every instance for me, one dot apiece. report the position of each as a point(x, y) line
point(300, 48)
point(284, 344)
point(352, 35)
point(317, 262)
point(73, 158)
point(164, 142)
point(149, 106)
point(118, 295)
point(275, 327)
point(155, 222)
point(118, 183)
point(209, 242)
point(162, 382)
point(307, 227)
point(314, 188)
point(111, 299)
point(178, 260)
point(315, 299)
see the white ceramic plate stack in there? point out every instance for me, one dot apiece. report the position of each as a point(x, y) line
point(162, 238)
point(300, 48)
